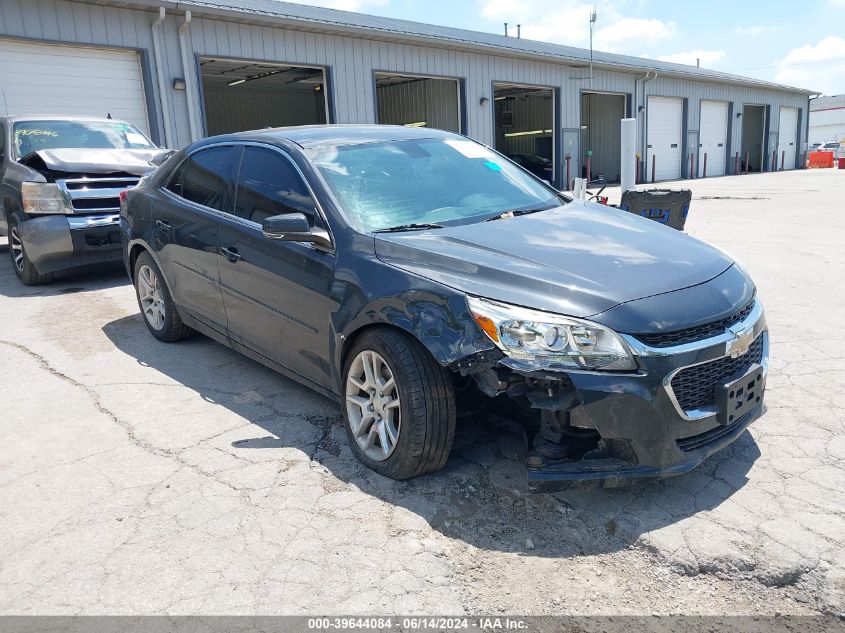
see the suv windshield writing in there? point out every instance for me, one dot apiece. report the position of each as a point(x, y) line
point(32, 136)
point(426, 181)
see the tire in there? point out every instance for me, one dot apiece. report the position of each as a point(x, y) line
point(23, 267)
point(426, 405)
point(156, 303)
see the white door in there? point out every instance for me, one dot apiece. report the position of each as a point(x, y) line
point(714, 138)
point(54, 79)
point(787, 137)
point(665, 127)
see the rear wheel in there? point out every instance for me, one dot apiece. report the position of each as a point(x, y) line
point(24, 268)
point(399, 405)
point(156, 303)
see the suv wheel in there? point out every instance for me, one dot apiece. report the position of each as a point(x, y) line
point(24, 269)
point(399, 405)
point(156, 303)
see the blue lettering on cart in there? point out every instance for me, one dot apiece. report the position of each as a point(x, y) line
point(659, 215)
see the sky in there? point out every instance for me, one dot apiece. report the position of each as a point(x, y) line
point(797, 43)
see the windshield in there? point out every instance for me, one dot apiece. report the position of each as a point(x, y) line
point(426, 181)
point(32, 136)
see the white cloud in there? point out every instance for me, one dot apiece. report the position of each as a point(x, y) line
point(567, 22)
point(633, 30)
point(706, 58)
point(343, 5)
point(757, 29)
point(819, 66)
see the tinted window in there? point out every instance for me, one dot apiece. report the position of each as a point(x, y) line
point(207, 177)
point(270, 185)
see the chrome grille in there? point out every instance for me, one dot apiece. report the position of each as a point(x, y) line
point(101, 195)
point(697, 333)
point(695, 387)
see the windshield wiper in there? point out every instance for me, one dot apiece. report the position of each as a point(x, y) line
point(410, 227)
point(516, 212)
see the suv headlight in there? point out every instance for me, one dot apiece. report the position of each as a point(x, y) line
point(541, 340)
point(43, 197)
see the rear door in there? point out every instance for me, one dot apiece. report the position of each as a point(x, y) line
point(276, 293)
point(787, 137)
point(714, 138)
point(186, 221)
point(664, 146)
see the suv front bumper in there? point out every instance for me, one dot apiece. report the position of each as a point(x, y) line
point(60, 242)
point(644, 430)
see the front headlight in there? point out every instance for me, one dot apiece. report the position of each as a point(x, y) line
point(541, 340)
point(43, 197)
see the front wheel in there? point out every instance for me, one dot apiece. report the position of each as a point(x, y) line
point(24, 268)
point(156, 303)
point(399, 405)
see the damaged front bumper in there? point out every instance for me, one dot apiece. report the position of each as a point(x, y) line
point(683, 404)
point(61, 242)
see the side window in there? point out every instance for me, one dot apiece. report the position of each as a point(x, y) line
point(269, 185)
point(207, 177)
point(2, 141)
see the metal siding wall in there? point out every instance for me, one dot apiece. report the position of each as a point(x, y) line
point(602, 114)
point(352, 62)
point(265, 108)
point(432, 101)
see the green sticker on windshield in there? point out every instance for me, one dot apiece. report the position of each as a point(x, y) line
point(492, 166)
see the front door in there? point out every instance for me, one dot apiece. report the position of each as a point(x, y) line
point(186, 225)
point(276, 293)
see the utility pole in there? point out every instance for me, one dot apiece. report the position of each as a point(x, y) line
point(593, 17)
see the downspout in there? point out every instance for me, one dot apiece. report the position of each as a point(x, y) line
point(645, 79)
point(163, 92)
point(190, 85)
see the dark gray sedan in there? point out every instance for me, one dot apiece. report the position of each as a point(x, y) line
point(406, 271)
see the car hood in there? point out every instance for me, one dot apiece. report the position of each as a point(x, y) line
point(580, 259)
point(94, 161)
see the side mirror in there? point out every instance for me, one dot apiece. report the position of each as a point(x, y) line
point(294, 227)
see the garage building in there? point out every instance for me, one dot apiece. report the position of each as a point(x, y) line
point(188, 69)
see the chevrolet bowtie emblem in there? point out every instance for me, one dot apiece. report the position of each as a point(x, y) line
point(742, 340)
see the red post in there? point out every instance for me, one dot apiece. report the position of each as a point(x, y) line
point(736, 164)
point(653, 166)
point(746, 163)
point(782, 159)
point(775, 160)
point(589, 168)
point(568, 159)
point(704, 167)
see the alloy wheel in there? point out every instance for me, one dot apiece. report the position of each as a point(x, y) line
point(152, 301)
point(17, 248)
point(372, 405)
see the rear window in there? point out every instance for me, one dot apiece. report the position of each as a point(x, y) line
point(32, 136)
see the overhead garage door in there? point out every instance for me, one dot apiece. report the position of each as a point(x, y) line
point(787, 137)
point(54, 79)
point(665, 123)
point(714, 137)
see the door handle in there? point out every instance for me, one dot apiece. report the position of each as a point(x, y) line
point(230, 253)
point(163, 226)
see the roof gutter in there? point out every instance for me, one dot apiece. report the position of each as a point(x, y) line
point(190, 81)
point(163, 93)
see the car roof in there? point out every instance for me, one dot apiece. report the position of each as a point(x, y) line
point(311, 136)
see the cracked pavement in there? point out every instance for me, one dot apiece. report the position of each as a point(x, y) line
point(144, 478)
